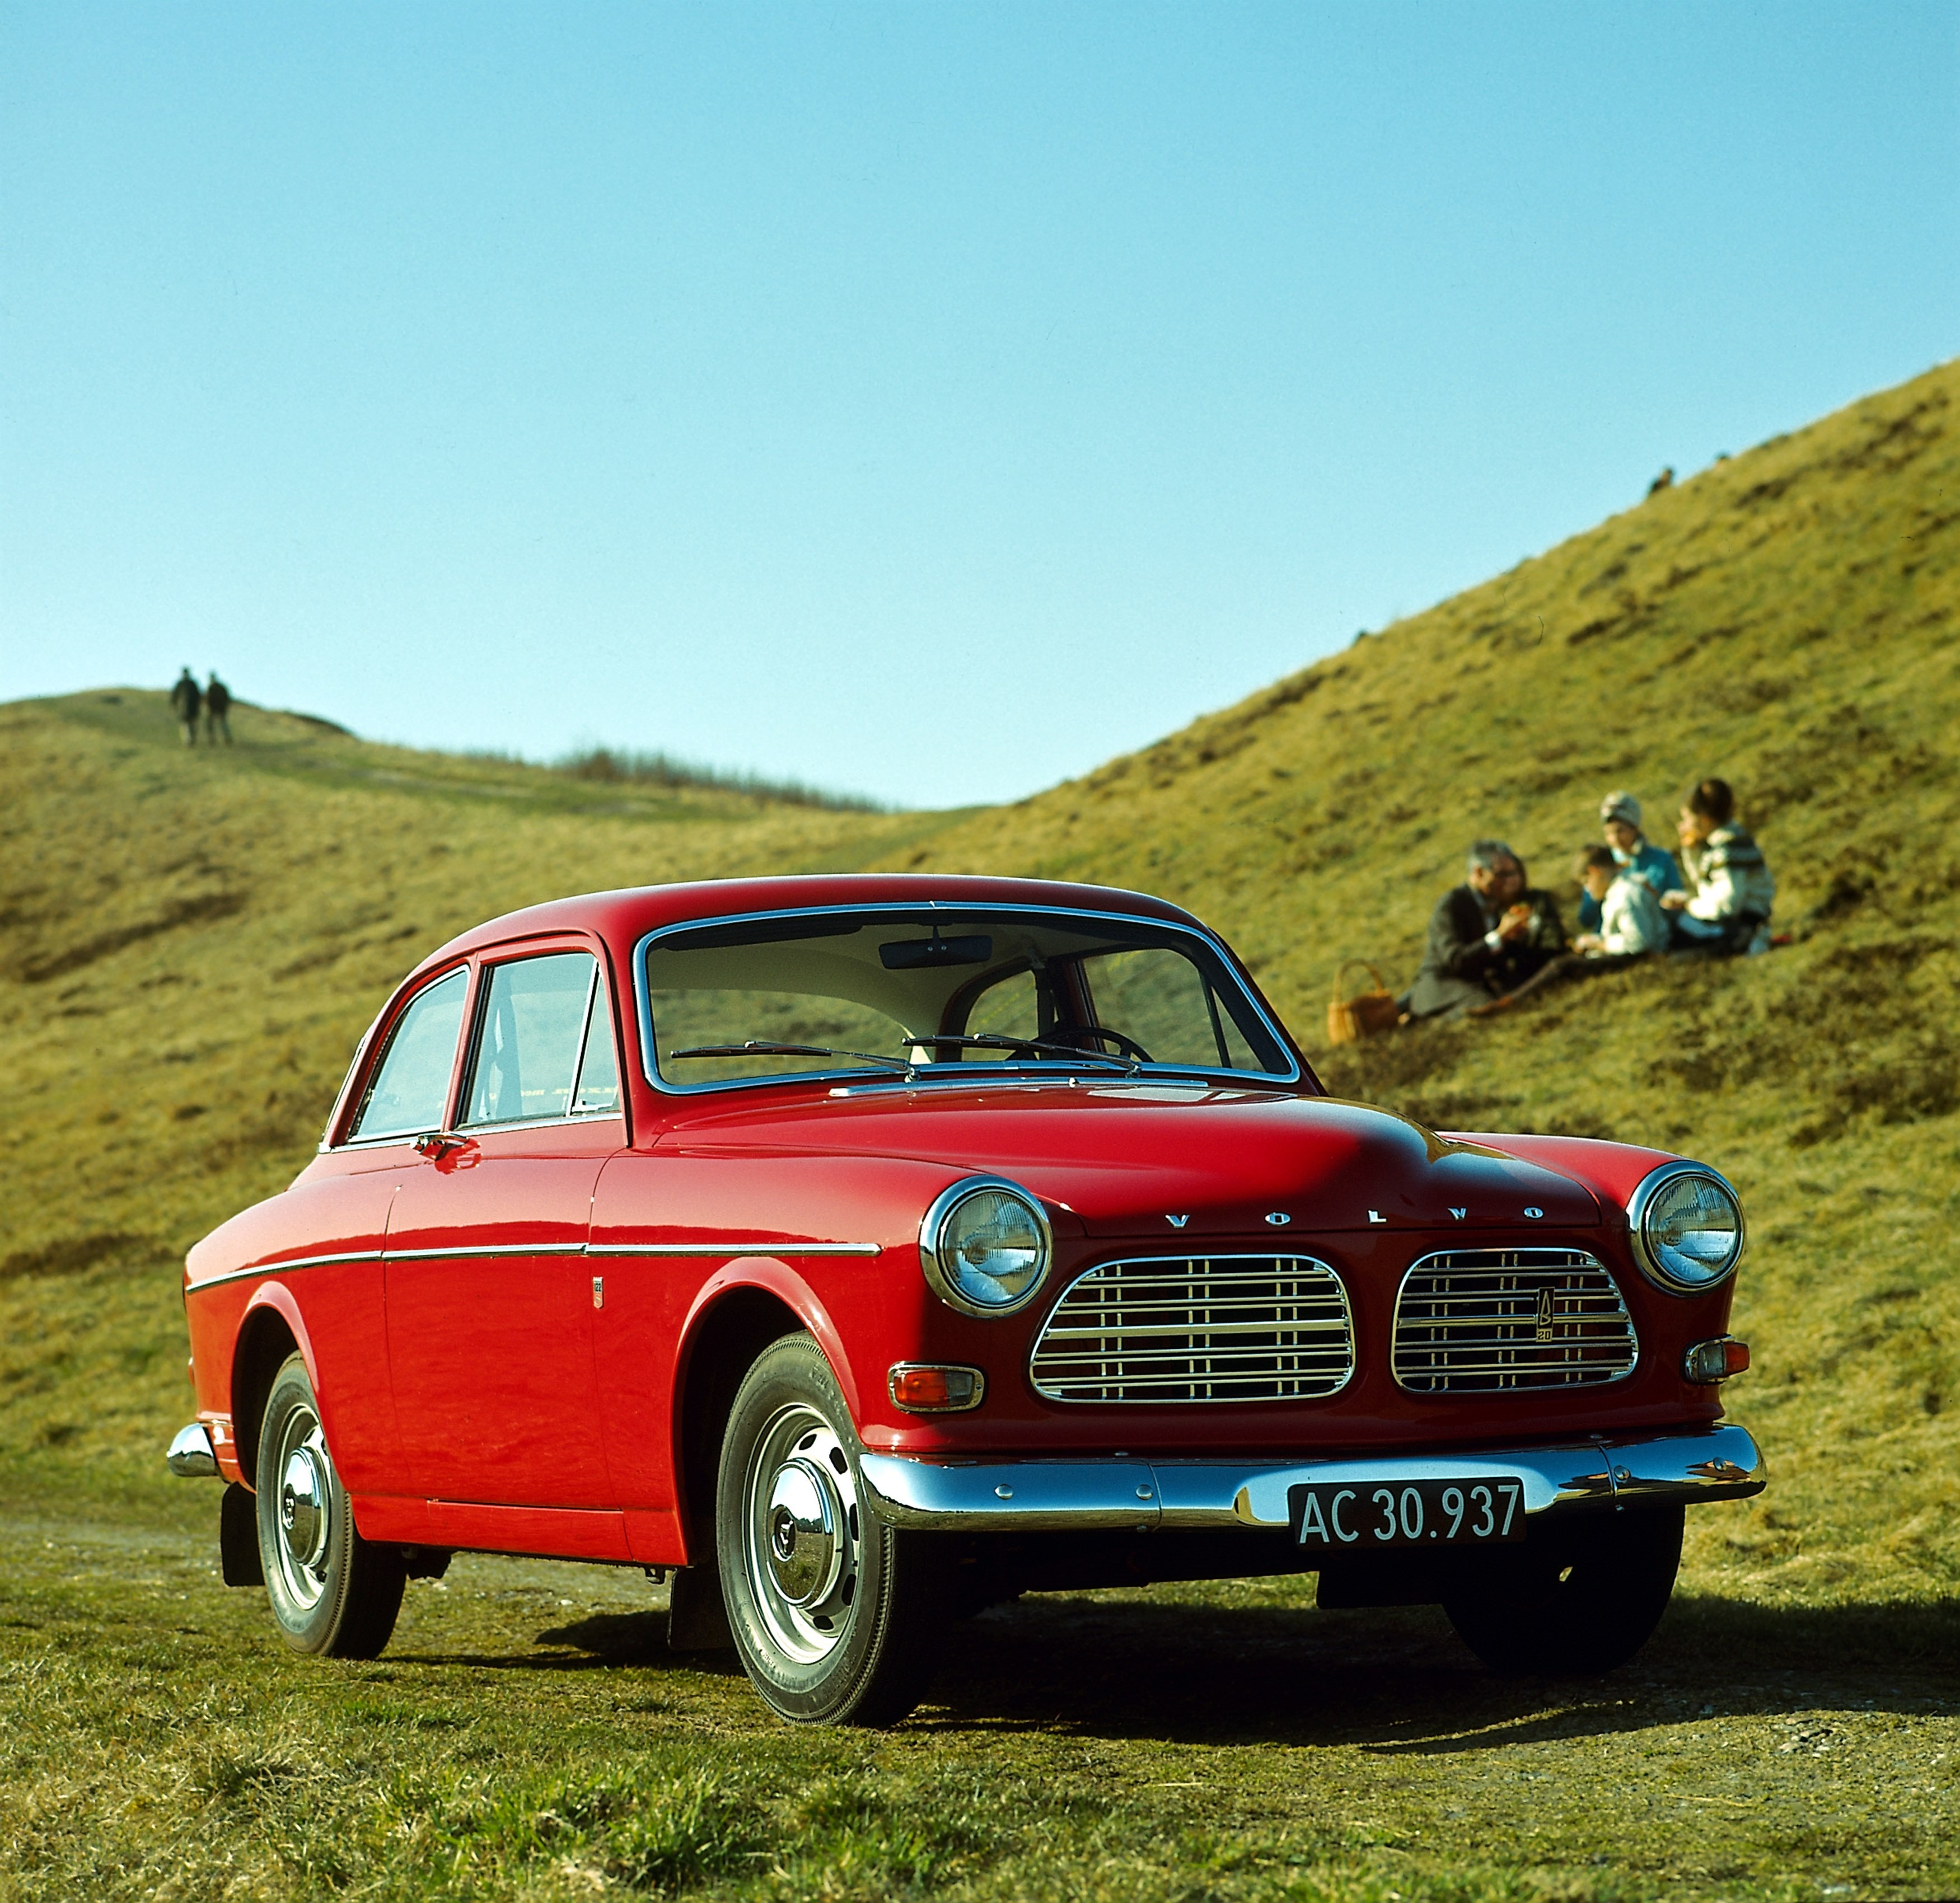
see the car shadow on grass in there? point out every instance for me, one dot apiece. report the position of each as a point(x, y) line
point(595, 1643)
point(1396, 1681)
point(1399, 1681)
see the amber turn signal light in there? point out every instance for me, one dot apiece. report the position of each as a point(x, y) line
point(1708, 1362)
point(921, 1388)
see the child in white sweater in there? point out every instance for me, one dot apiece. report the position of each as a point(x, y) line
point(1631, 920)
point(1631, 925)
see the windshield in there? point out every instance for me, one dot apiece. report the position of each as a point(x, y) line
point(940, 993)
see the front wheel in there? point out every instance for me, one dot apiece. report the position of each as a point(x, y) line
point(332, 1592)
point(832, 1611)
point(1581, 1599)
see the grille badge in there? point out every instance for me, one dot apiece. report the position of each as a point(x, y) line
point(1177, 1222)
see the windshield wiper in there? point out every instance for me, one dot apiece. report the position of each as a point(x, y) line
point(760, 1047)
point(1075, 1054)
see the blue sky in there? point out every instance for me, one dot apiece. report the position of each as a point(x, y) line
point(931, 401)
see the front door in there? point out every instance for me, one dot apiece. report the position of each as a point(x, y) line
point(489, 1294)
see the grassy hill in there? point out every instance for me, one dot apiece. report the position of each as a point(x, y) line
point(1791, 620)
point(190, 940)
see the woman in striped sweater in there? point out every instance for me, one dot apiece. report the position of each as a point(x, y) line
point(1728, 910)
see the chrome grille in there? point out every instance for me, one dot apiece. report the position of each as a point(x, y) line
point(1198, 1328)
point(1493, 1321)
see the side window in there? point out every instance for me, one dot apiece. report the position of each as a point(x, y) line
point(529, 1037)
point(411, 1087)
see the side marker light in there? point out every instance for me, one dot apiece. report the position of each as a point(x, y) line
point(925, 1388)
point(1707, 1362)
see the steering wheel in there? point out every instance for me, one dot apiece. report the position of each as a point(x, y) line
point(1126, 1045)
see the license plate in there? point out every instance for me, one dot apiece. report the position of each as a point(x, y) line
point(1331, 1518)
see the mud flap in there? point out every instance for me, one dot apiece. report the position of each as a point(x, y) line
point(697, 1620)
point(238, 1537)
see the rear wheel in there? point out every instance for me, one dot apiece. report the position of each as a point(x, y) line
point(833, 1612)
point(1580, 1598)
point(331, 1591)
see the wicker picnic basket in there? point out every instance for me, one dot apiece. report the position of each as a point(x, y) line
point(1363, 1013)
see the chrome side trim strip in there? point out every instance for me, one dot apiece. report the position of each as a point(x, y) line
point(734, 1249)
point(696, 1249)
point(191, 1456)
point(1722, 1463)
point(280, 1268)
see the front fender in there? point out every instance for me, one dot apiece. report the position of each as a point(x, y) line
point(777, 1278)
point(253, 1367)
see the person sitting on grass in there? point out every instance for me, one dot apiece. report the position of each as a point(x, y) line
point(1728, 912)
point(1620, 814)
point(1486, 937)
point(1632, 924)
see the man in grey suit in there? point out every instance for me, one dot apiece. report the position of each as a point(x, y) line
point(1486, 937)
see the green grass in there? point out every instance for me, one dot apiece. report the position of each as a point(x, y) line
point(526, 1735)
point(190, 942)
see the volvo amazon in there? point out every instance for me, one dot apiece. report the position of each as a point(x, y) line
point(864, 1251)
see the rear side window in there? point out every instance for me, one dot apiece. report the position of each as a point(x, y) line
point(411, 1087)
point(544, 1043)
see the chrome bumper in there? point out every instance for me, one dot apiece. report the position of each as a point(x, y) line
point(1069, 1496)
point(190, 1456)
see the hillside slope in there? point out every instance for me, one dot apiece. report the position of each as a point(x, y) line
point(1788, 618)
point(189, 942)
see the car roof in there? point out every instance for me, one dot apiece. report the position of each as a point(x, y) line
point(622, 917)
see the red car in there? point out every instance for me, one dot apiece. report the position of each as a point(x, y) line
point(870, 1250)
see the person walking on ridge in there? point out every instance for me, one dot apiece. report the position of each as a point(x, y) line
point(185, 701)
point(217, 711)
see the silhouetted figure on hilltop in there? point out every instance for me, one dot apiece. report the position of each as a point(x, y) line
point(1664, 480)
point(185, 699)
point(1486, 937)
point(217, 711)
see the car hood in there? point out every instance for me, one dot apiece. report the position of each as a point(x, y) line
point(1128, 1158)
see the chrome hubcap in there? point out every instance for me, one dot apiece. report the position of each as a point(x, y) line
point(306, 1508)
point(303, 1507)
point(804, 1550)
point(801, 1526)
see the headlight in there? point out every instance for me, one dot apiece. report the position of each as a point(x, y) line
point(1687, 1227)
point(985, 1246)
